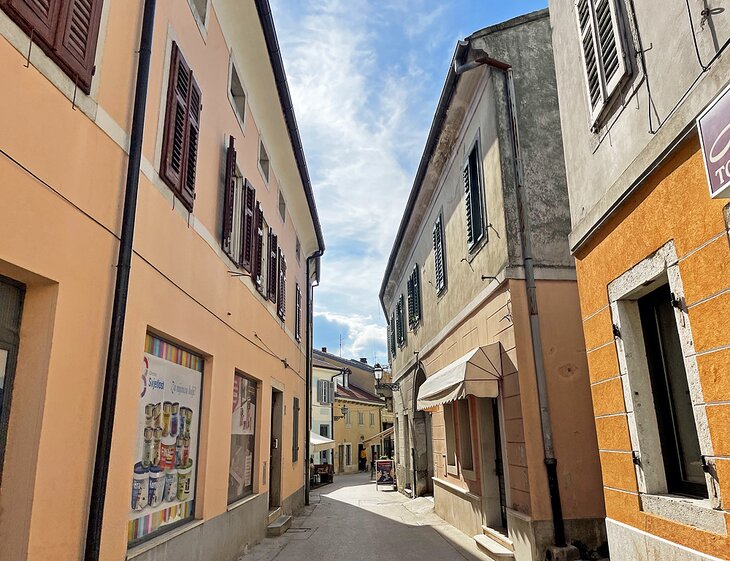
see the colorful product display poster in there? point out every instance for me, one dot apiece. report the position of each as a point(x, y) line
point(385, 472)
point(243, 428)
point(163, 475)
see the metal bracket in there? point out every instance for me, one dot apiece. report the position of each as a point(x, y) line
point(677, 302)
point(706, 466)
point(636, 457)
point(616, 331)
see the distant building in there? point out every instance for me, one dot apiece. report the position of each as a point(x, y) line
point(650, 218)
point(482, 305)
point(207, 399)
point(361, 421)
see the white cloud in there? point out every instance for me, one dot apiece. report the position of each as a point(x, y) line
point(363, 122)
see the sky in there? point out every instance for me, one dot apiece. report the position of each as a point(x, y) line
point(365, 77)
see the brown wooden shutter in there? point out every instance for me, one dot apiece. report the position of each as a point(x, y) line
point(36, 17)
point(257, 272)
point(468, 204)
point(182, 129)
point(191, 153)
point(272, 276)
point(174, 141)
point(298, 315)
point(281, 300)
point(76, 39)
point(248, 216)
point(229, 196)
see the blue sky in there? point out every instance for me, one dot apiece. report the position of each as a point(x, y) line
point(365, 77)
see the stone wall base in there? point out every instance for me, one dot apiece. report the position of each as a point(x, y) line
point(628, 544)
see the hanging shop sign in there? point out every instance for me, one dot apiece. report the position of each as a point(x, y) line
point(713, 126)
point(163, 475)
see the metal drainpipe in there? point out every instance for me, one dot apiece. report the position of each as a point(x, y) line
point(121, 291)
point(308, 374)
point(526, 243)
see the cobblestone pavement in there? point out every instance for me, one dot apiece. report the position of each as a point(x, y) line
point(350, 521)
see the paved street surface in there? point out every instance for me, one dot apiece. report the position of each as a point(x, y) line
point(351, 520)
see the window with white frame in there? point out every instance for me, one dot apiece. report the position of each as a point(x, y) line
point(665, 407)
point(282, 206)
point(604, 51)
point(200, 9)
point(264, 163)
point(237, 94)
point(360, 418)
point(372, 419)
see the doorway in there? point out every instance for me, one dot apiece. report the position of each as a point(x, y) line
point(277, 410)
point(494, 499)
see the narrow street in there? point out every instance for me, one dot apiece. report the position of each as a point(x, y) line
point(350, 516)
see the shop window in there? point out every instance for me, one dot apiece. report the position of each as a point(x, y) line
point(166, 459)
point(11, 302)
point(466, 456)
point(295, 431)
point(678, 438)
point(450, 427)
point(243, 437)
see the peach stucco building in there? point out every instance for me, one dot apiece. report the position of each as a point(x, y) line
point(645, 116)
point(208, 441)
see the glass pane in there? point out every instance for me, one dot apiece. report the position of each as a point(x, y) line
point(450, 435)
point(467, 459)
point(680, 400)
point(243, 431)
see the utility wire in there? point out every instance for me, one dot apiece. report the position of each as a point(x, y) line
point(68, 201)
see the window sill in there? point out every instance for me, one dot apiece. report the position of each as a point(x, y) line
point(693, 512)
point(138, 550)
point(240, 502)
point(458, 490)
point(452, 470)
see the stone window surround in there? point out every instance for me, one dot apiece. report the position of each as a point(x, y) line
point(655, 270)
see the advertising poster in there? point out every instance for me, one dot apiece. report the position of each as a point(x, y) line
point(163, 475)
point(384, 472)
point(243, 425)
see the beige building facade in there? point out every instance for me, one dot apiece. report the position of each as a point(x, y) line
point(213, 359)
point(484, 322)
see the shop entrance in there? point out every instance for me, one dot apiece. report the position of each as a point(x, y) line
point(494, 500)
point(277, 410)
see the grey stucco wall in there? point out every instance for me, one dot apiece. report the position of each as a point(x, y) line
point(603, 165)
point(478, 111)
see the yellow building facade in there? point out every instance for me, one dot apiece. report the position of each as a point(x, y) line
point(214, 355)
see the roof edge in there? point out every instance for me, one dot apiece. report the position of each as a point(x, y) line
point(263, 8)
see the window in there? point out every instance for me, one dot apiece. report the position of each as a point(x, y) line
point(260, 251)
point(282, 206)
point(66, 30)
point(391, 335)
point(474, 199)
point(281, 297)
point(400, 327)
point(298, 250)
point(325, 392)
point(360, 418)
point(181, 131)
point(163, 486)
point(372, 419)
point(237, 94)
point(466, 457)
point(295, 431)
point(450, 435)
point(243, 438)
point(272, 272)
point(240, 212)
point(264, 161)
point(11, 304)
point(414, 298)
point(348, 419)
point(298, 314)
point(200, 9)
point(439, 257)
point(604, 52)
point(679, 442)
point(324, 430)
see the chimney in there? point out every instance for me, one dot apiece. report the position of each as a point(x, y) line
point(364, 360)
point(324, 349)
